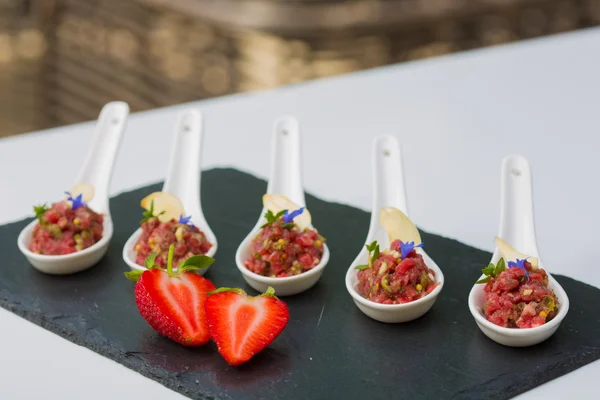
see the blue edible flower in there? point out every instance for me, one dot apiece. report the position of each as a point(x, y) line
point(406, 248)
point(185, 220)
point(288, 218)
point(75, 202)
point(519, 264)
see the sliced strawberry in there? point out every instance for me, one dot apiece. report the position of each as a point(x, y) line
point(174, 306)
point(173, 302)
point(242, 326)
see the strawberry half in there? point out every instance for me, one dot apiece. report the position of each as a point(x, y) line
point(243, 326)
point(173, 302)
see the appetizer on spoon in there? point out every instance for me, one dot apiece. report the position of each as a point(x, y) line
point(392, 279)
point(398, 274)
point(174, 216)
point(73, 234)
point(284, 250)
point(516, 302)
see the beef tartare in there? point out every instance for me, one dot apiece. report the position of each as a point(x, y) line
point(158, 236)
point(518, 296)
point(66, 227)
point(282, 249)
point(397, 275)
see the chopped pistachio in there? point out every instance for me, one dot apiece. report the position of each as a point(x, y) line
point(385, 284)
point(54, 230)
point(424, 280)
point(548, 303)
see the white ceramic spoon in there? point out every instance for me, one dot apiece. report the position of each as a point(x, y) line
point(286, 179)
point(96, 171)
point(517, 228)
point(183, 181)
point(388, 191)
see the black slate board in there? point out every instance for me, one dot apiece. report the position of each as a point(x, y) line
point(329, 349)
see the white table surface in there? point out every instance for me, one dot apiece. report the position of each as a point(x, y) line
point(455, 116)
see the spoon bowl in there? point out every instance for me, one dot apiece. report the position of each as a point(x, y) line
point(517, 228)
point(183, 181)
point(97, 171)
point(388, 191)
point(286, 179)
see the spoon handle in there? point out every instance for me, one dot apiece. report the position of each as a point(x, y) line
point(98, 166)
point(388, 181)
point(286, 161)
point(517, 225)
point(183, 176)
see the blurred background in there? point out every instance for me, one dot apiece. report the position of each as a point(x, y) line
point(61, 60)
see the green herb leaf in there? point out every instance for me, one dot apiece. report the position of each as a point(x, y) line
point(196, 263)
point(134, 275)
point(373, 249)
point(489, 270)
point(500, 266)
point(40, 211)
point(375, 255)
point(271, 218)
point(361, 267)
point(492, 270)
point(149, 262)
point(150, 213)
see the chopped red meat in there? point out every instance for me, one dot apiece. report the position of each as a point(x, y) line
point(158, 236)
point(391, 280)
point(514, 301)
point(282, 250)
point(62, 230)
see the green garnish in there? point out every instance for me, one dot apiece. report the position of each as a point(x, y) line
point(492, 270)
point(272, 218)
point(40, 211)
point(192, 264)
point(371, 248)
point(196, 263)
point(150, 213)
point(548, 303)
point(385, 284)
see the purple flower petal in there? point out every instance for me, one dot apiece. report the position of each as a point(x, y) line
point(519, 264)
point(75, 202)
point(184, 220)
point(288, 218)
point(407, 248)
